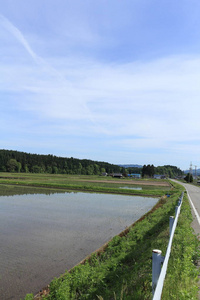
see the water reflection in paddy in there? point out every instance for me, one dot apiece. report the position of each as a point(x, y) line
point(131, 188)
point(43, 235)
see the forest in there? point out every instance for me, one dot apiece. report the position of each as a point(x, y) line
point(166, 171)
point(21, 162)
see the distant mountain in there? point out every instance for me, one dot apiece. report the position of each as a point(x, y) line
point(131, 166)
point(193, 172)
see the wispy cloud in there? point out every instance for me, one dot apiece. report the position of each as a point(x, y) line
point(51, 92)
point(147, 100)
point(19, 36)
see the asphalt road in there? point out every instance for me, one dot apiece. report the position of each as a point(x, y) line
point(194, 197)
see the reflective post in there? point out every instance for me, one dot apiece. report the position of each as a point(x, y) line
point(176, 209)
point(157, 260)
point(171, 222)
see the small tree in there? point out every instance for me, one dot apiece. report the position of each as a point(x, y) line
point(188, 178)
point(148, 170)
point(12, 165)
point(26, 169)
point(54, 170)
point(19, 166)
point(36, 169)
point(96, 169)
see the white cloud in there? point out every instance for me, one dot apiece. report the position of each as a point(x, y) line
point(146, 99)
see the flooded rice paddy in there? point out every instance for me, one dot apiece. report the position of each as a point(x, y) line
point(42, 235)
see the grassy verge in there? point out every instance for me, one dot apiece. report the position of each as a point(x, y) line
point(182, 276)
point(123, 269)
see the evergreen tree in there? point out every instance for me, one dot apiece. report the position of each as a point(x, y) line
point(188, 178)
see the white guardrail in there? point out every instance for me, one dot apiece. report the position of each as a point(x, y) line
point(158, 273)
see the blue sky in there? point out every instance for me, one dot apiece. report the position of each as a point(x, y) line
point(115, 81)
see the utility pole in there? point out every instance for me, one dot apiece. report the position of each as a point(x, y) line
point(191, 168)
point(195, 172)
point(190, 172)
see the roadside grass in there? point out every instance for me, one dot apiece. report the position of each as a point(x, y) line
point(182, 276)
point(123, 269)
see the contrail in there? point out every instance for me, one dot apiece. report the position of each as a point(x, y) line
point(40, 61)
point(19, 36)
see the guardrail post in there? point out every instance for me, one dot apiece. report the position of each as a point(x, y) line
point(171, 222)
point(157, 260)
point(176, 209)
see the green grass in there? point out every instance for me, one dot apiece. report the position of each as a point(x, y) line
point(182, 277)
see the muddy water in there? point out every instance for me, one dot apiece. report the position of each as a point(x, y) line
point(43, 235)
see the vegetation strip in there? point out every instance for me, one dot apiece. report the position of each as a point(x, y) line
point(182, 277)
point(88, 188)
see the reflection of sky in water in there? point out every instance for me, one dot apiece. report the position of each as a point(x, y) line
point(66, 207)
point(54, 232)
point(9, 190)
point(131, 188)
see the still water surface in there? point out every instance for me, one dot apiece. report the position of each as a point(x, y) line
point(131, 188)
point(43, 235)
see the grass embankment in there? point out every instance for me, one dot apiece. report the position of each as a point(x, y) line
point(123, 270)
point(86, 183)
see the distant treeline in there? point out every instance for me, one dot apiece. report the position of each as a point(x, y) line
point(15, 161)
point(167, 171)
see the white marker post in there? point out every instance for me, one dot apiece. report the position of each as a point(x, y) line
point(157, 260)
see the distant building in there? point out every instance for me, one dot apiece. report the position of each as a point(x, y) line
point(117, 175)
point(157, 176)
point(133, 175)
point(104, 174)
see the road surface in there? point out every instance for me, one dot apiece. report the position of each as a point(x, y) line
point(194, 197)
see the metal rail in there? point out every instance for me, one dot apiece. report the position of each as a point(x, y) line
point(158, 273)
